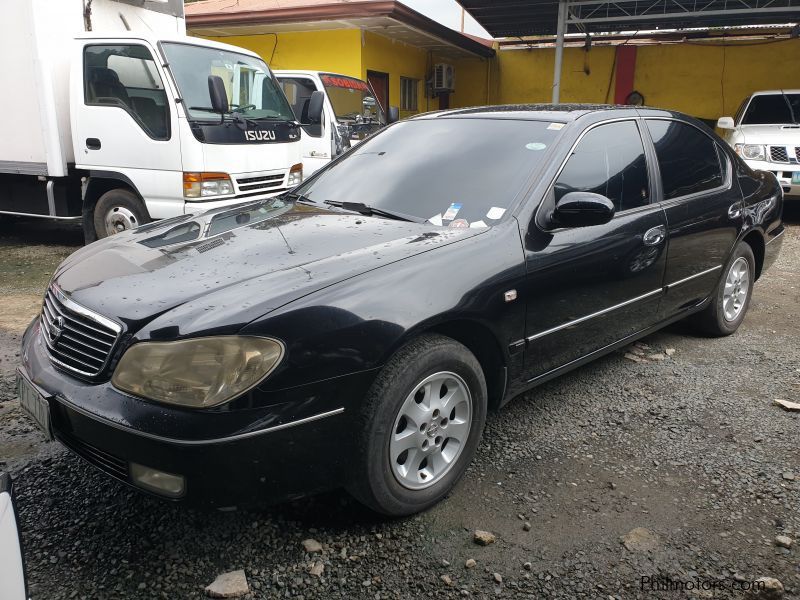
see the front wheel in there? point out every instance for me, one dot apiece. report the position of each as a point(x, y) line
point(118, 210)
point(420, 425)
point(731, 299)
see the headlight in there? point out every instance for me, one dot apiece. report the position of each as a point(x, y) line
point(206, 185)
point(295, 175)
point(199, 372)
point(751, 151)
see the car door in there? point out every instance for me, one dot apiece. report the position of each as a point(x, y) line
point(588, 287)
point(315, 141)
point(703, 207)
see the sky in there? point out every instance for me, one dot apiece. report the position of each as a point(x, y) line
point(447, 12)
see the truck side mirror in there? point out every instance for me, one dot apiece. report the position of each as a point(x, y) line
point(394, 114)
point(219, 97)
point(315, 107)
point(725, 123)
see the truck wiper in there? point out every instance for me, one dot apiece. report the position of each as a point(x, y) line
point(369, 211)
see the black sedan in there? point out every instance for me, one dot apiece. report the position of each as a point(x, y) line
point(355, 331)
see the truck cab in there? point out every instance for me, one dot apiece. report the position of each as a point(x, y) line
point(118, 126)
point(351, 112)
point(766, 133)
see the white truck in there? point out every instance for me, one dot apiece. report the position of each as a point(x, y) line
point(114, 117)
point(766, 133)
point(351, 112)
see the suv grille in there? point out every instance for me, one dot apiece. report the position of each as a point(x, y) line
point(77, 339)
point(778, 154)
point(264, 182)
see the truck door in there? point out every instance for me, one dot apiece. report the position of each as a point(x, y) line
point(124, 121)
point(316, 139)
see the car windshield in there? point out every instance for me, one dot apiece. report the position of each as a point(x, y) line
point(773, 109)
point(352, 99)
point(252, 90)
point(458, 172)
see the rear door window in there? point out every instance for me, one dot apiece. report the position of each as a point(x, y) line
point(609, 160)
point(687, 158)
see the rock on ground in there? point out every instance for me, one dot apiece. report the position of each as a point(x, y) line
point(640, 540)
point(229, 585)
point(483, 538)
point(311, 546)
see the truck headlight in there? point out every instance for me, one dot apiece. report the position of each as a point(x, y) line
point(199, 372)
point(751, 151)
point(295, 175)
point(206, 185)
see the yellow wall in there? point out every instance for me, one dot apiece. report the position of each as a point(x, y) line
point(398, 60)
point(337, 51)
point(690, 78)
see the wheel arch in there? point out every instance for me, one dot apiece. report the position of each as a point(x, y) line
point(478, 339)
point(755, 239)
point(98, 183)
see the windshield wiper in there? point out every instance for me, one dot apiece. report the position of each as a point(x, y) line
point(370, 211)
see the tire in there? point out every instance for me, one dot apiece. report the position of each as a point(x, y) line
point(448, 366)
point(118, 210)
point(741, 268)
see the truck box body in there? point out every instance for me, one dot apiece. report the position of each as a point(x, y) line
point(35, 38)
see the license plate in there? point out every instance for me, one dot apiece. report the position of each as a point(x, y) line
point(34, 404)
point(796, 177)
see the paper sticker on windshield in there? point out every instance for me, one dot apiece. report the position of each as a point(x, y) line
point(555, 126)
point(477, 225)
point(536, 146)
point(451, 212)
point(495, 212)
point(460, 224)
point(436, 220)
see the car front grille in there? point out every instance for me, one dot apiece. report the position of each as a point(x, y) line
point(778, 154)
point(108, 463)
point(77, 339)
point(262, 182)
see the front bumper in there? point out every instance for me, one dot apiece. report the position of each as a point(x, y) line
point(782, 171)
point(298, 442)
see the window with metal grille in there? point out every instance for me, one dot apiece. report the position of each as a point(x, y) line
point(408, 93)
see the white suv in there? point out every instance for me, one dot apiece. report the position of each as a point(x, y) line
point(766, 134)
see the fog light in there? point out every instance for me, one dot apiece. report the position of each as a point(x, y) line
point(165, 484)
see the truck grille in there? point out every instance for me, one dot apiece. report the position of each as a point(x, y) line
point(77, 339)
point(262, 182)
point(778, 154)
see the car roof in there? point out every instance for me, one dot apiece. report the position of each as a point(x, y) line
point(563, 113)
point(774, 92)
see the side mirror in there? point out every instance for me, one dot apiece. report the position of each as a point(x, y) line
point(219, 97)
point(315, 107)
point(725, 123)
point(394, 114)
point(582, 209)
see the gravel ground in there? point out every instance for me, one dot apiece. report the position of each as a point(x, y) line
point(684, 458)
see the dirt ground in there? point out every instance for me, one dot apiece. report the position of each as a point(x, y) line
point(665, 477)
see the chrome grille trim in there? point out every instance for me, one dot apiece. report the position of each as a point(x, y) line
point(77, 339)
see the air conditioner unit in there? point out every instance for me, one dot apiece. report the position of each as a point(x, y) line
point(444, 77)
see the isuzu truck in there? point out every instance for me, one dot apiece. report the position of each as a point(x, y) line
point(113, 116)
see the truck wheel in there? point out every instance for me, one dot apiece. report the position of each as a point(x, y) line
point(118, 210)
point(419, 427)
point(731, 298)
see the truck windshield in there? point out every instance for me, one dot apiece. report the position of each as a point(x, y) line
point(773, 109)
point(352, 99)
point(252, 90)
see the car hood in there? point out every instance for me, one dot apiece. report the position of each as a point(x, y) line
point(783, 135)
point(228, 274)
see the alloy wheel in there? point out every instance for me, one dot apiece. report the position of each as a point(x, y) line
point(737, 286)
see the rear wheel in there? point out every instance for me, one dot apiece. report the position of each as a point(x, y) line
point(731, 299)
point(421, 423)
point(118, 210)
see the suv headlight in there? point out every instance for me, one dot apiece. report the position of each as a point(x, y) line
point(199, 372)
point(751, 151)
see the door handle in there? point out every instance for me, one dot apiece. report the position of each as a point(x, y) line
point(654, 236)
point(735, 210)
point(93, 143)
